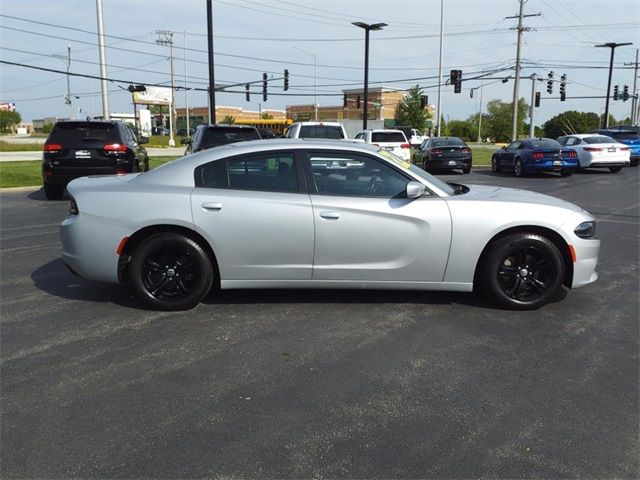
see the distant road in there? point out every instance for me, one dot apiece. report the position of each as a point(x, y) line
point(37, 155)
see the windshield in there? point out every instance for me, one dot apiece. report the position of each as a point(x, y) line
point(436, 182)
point(451, 141)
point(321, 131)
point(600, 139)
point(545, 143)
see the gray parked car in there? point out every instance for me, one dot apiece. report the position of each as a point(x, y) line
point(320, 214)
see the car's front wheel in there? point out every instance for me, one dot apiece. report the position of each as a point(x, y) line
point(518, 168)
point(170, 271)
point(523, 271)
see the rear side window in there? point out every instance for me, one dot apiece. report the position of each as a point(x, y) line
point(451, 141)
point(544, 144)
point(271, 172)
point(382, 137)
point(78, 132)
point(600, 139)
point(321, 131)
point(214, 137)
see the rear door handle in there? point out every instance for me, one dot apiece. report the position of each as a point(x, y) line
point(328, 215)
point(212, 206)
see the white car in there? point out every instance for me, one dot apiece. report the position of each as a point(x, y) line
point(320, 214)
point(328, 130)
point(393, 141)
point(596, 150)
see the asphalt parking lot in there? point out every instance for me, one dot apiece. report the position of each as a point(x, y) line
point(322, 384)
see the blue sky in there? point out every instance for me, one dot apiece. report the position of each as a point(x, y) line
point(255, 36)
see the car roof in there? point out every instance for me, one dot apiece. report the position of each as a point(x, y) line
point(585, 135)
point(219, 125)
point(332, 124)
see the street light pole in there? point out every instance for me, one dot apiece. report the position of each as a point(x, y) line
point(103, 66)
point(315, 81)
point(438, 112)
point(367, 28)
point(612, 46)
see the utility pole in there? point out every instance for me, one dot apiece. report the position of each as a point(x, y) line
point(438, 112)
point(68, 99)
point(315, 81)
point(165, 37)
point(612, 46)
point(533, 77)
point(480, 114)
point(516, 83)
point(634, 98)
point(103, 66)
point(212, 83)
point(186, 89)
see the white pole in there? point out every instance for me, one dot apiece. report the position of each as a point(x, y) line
point(534, 77)
point(186, 89)
point(438, 109)
point(103, 67)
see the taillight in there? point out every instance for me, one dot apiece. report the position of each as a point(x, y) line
point(572, 154)
point(466, 150)
point(405, 145)
point(51, 147)
point(120, 171)
point(437, 151)
point(115, 147)
point(624, 149)
point(592, 149)
point(538, 155)
point(73, 207)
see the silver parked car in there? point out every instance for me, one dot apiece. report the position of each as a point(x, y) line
point(320, 214)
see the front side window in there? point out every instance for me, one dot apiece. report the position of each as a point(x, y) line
point(514, 146)
point(355, 175)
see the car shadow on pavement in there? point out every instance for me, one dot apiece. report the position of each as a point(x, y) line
point(39, 195)
point(54, 279)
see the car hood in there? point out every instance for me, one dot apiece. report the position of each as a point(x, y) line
point(512, 195)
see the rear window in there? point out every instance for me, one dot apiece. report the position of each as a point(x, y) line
point(443, 142)
point(321, 131)
point(600, 139)
point(214, 137)
point(545, 144)
point(382, 137)
point(624, 135)
point(71, 132)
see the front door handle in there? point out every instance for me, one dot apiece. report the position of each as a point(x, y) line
point(212, 206)
point(328, 215)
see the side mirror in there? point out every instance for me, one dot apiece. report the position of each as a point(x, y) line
point(415, 190)
point(143, 140)
point(504, 147)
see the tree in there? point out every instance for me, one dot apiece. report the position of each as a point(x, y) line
point(570, 122)
point(498, 120)
point(8, 120)
point(409, 111)
point(228, 120)
point(463, 129)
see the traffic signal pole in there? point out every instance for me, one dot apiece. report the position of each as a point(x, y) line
point(612, 46)
point(534, 78)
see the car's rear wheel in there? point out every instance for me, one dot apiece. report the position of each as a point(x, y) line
point(495, 166)
point(53, 192)
point(170, 271)
point(615, 169)
point(518, 169)
point(523, 271)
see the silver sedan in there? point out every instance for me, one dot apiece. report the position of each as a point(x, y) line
point(320, 214)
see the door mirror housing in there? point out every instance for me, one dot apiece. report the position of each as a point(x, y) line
point(415, 190)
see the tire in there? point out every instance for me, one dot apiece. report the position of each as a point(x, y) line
point(466, 169)
point(170, 271)
point(522, 271)
point(53, 192)
point(495, 166)
point(517, 168)
point(615, 169)
point(566, 173)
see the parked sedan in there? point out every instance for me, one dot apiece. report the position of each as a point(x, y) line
point(535, 155)
point(597, 151)
point(266, 214)
point(443, 152)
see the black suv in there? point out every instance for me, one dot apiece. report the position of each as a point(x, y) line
point(209, 136)
point(79, 148)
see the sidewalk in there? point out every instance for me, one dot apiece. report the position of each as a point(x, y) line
point(37, 155)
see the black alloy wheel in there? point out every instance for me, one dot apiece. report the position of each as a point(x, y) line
point(523, 271)
point(518, 168)
point(565, 172)
point(170, 271)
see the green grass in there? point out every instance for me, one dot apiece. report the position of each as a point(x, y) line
point(160, 141)
point(29, 174)
point(482, 154)
point(20, 147)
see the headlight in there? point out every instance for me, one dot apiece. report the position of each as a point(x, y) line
point(586, 230)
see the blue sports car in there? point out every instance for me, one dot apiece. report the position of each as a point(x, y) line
point(535, 155)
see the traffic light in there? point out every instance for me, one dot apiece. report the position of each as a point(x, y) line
point(344, 100)
point(246, 93)
point(563, 87)
point(550, 83)
point(358, 101)
point(286, 80)
point(264, 87)
point(537, 102)
point(625, 93)
point(616, 92)
point(137, 88)
point(424, 101)
point(455, 79)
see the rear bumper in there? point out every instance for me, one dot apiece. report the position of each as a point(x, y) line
point(444, 162)
point(549, 166)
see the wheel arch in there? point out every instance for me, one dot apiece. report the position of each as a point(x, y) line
point(554, 237)
point(138, 237)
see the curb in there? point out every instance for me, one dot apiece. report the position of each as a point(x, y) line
point(20, 189)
